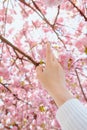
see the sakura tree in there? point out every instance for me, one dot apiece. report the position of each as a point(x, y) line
point(25, 28)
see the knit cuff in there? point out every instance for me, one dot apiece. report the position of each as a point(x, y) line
point(72, 115)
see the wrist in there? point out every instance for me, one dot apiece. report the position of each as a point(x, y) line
point(61, 97)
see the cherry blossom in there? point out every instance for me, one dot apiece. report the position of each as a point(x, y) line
point(52, 2)
point(25, 28)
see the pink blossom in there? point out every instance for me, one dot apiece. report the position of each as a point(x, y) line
point(4, 73)
point(81, 44)
point(52, 2)
point(25, 104)
point(9, 19)
point(66, 60)
point(15, 128)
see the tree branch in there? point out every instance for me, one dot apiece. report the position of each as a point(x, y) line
point(14, 95)
point(18, 50)
point(58, 11)
point(39, 12)
point(80, 85)
point(81, 13)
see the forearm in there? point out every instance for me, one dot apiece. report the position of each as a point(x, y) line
point(63, 97)
point(60, 96)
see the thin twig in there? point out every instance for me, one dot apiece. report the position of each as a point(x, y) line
point(80, 85)
point(14, 95)
point(18, 50)
point(39, 12)
point(81, 13)
point(58, 11)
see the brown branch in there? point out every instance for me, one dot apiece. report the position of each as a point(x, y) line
point(39, 12)
point(58, 11)
point(28, 5)
point(81, 13)
point(48, 23)
point(18, 50)
point(14, 95)
point(80, 85)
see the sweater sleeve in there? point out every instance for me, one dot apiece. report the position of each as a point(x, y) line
point(72, 115)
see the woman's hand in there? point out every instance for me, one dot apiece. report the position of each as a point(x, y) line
point(52, 77)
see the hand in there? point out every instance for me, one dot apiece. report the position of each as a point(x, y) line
point(52, 78)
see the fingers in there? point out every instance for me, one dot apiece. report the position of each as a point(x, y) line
point(39, 70)
point(49, 55)
point(48, 51)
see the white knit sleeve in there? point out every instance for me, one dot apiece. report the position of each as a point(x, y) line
point(72, 115)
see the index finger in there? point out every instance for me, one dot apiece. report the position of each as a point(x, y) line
point(48, 54)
